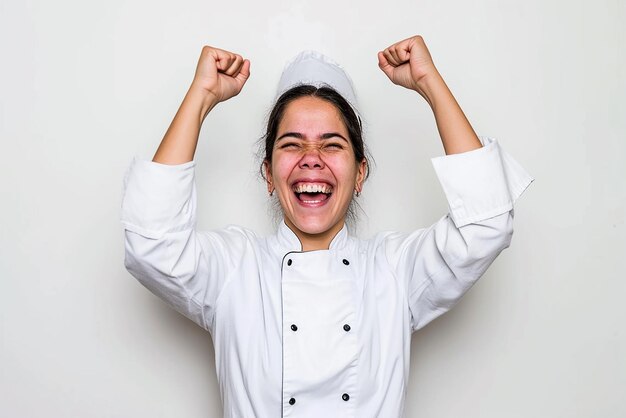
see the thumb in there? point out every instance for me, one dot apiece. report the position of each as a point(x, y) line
point(384, 65)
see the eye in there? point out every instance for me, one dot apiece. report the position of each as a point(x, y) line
point(334, 145)
point(289, 145)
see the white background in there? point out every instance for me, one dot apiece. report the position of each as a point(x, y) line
point(85, 86)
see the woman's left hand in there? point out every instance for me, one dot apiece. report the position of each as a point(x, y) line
point(407, 63)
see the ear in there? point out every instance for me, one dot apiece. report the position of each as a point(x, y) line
point(360, 176)
point(267, 168)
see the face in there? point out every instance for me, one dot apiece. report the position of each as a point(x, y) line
point(313, 169)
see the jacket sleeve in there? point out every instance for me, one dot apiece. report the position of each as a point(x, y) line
point(163, 250)
point(438, 264)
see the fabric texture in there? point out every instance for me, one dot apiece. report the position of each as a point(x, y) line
point(317, 333)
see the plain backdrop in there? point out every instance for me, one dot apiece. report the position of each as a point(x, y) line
point(85, 86)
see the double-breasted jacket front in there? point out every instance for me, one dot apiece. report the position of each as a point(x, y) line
point(318, 333)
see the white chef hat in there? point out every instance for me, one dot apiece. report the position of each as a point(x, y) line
point(312, 67)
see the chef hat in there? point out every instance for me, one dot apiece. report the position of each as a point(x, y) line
point(312, 67)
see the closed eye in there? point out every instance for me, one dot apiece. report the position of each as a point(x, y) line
point(334, 145)
point(288, 145)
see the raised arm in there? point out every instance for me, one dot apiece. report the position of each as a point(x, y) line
point(163, 251)
point(219, 76)
point(408, 63)
point(440, 263)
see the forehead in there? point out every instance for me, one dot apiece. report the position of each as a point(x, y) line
point(311, 114)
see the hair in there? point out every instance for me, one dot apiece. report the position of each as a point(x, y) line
point(327, 93)
point(348, 115)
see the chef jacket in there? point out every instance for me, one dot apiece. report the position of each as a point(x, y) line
point(321, 333)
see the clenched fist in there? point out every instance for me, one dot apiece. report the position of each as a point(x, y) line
point(220, 73)
point(407, 62)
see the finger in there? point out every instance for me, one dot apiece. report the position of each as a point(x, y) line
point(235, 66)
point(402, 52)
point(394, 54)
point(226, 63)
point(224, 60)
point(384, 65)
point(390, 59)
point(244, 73)
point(208, 57)
point(214, 53)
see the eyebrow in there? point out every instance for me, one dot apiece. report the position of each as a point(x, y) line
point(298, 135)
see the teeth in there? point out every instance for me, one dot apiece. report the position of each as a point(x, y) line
point(313, 188)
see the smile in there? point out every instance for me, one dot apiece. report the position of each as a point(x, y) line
point(312, 193)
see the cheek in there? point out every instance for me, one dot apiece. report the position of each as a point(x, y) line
point(343, 168)
point(282, 168)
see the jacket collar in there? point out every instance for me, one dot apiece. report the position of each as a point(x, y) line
point(289, 241)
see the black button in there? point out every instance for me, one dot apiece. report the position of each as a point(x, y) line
point(346, 262)
point(289, 263)
point(294, 327)
point(346, 327)
point(345, 397)
point(292, 401)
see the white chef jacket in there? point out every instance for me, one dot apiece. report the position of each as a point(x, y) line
point(322, 333)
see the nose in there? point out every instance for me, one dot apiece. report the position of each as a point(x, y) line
point(312, 159)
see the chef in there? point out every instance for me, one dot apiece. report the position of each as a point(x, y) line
point(311, 321)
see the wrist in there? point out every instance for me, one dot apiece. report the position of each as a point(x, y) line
point(202, 99)
point(431, 86)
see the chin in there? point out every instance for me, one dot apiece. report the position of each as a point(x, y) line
point(315, 227)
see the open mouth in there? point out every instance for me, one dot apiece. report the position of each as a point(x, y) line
point(312, 193)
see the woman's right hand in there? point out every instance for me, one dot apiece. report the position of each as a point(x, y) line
point(220, 74)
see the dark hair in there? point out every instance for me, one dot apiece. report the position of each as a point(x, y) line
point(327, 93)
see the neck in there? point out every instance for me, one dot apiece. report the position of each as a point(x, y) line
point(313, 242)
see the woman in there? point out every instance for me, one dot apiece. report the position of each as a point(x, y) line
point(312, 322)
